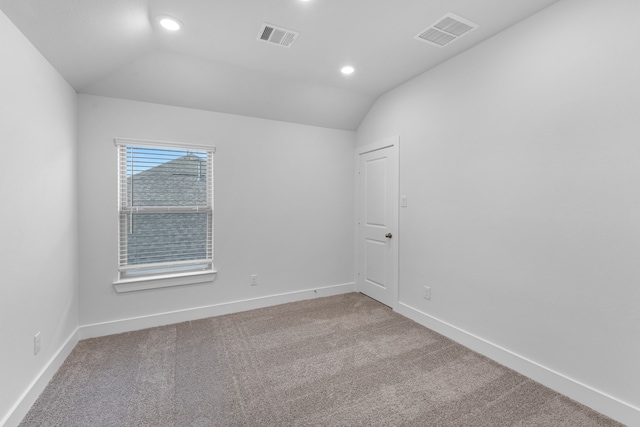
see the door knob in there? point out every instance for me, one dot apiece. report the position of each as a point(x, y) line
point(388, 235)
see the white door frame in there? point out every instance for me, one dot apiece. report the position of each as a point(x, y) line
point(394, 143)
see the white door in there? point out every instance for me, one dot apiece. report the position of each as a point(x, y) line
point(377, 244)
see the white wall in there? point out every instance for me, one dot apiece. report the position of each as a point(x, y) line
point(38, 230)
point(521, 162)
point(283, 206)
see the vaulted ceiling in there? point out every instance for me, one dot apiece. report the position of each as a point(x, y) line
point(215, 62)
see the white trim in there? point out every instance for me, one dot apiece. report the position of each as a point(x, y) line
point(164, 281)
point(167, 318)
point(163, 144)
point(37, 386)
point(394, 143)
point(33, 391)
point(607, 405)
point(178, 277)
point(150, 266)
point(595, 399)
point(385, 143)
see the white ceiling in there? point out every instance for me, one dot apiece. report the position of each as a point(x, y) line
point(115, 48)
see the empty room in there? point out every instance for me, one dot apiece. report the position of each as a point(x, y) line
point(320, 212)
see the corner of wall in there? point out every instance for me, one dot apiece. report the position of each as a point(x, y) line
point(37, 386)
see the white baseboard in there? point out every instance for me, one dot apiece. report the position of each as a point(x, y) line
point(31, 394)
point(168, 318)
point(599, 401)
point(37, 386)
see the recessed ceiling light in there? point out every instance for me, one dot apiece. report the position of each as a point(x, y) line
point(169, 23)
point(347, 69)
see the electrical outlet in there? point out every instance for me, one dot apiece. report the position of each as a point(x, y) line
point(253, 280)
point(36, 344)
point(427, 292)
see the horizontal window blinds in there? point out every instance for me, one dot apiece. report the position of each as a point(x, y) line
point(165, 200)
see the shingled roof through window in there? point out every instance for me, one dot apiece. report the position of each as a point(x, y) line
point(163, 237)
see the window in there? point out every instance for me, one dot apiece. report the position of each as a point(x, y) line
point(165, 208)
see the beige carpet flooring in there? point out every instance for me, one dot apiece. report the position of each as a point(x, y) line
point(339, 361)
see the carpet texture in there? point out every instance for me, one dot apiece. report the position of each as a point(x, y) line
point(338, 361)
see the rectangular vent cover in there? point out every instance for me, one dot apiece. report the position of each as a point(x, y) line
point(277, 35)
point(445, 30)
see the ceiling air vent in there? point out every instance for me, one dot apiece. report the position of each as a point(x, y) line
point(446, 29)
point(276, 35)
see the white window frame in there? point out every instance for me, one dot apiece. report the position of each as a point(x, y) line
point(143, 281)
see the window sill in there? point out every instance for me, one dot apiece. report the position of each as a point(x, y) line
point(163, 281)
